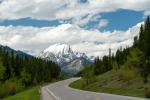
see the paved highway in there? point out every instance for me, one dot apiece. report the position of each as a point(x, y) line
point(61, 91)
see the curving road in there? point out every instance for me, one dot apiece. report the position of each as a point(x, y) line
point(61, 91)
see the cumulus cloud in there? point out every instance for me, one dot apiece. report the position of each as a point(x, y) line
point(101, 49)
point(147, 13)
point(62, 9)
point(92, 42)
point(82, 20)
point(103, 23)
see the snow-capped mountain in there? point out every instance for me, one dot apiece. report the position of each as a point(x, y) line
point(69, 60)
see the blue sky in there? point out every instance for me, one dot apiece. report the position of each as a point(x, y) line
point(122, 19)
point(32, 22)
point(81, 23)
point(118, 20)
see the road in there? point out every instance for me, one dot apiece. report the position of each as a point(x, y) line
point(61, 91)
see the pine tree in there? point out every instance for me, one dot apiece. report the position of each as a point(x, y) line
point(147, 38)
point(30, 70)
point(144, 46)
point(2, 68)
point(141, 39)
point(135, 43)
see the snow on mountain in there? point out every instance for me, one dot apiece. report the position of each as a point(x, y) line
point(69, 60)
point(58, 49)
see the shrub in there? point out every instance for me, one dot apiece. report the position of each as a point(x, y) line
point(10, 87)
point(126, 75)
point(3, 91)
point(147, 93)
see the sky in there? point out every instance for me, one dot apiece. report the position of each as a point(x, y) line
point(89, 26)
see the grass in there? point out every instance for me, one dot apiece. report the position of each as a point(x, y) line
point(110, 83)
point(30, 94)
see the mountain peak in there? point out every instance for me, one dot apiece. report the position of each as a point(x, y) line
point(70, 61)
point(58, 49)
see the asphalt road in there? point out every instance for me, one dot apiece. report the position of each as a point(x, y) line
point(61, 91)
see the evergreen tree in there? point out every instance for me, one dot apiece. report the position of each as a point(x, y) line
point(2, 68)
point(147, 38)
point(30, 70)
point(141, 39)
point(135, 43)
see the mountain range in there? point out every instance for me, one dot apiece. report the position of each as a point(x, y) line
point(16, 52)
point(71, 62)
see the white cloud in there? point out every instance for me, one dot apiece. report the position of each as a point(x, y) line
point(93, 42)
point(82, 21)
point(62, 9)
point(103, 23)
point(101, 49)
point(147, 13)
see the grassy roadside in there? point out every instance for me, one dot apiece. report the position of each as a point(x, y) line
point(30, 94)
point(109, 83)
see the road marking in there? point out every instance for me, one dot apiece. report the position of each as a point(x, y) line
point(57, 98)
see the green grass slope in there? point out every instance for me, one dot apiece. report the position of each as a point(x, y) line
point(110, 82)
point(127, 80)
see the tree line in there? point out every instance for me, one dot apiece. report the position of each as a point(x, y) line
point(142, 42)
point(26, 70)
point(139, 50)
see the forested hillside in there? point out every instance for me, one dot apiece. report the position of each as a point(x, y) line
point(127, 72)
point(19, 71)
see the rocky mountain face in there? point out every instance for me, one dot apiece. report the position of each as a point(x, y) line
point(71, 62)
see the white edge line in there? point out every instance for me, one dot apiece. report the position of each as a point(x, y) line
point(57, 98)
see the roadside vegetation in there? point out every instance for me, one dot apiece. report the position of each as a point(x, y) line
point(29, 94)
point(22, 72)
point(124, 73)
